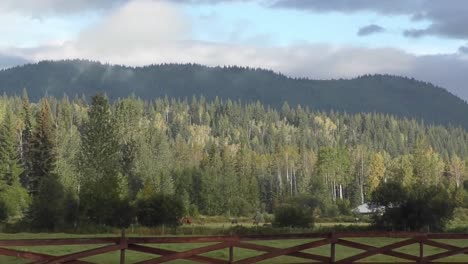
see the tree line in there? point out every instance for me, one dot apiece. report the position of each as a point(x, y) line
point(399, 96)
point(67, 162)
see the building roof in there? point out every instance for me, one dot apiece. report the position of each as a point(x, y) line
point(365, 208)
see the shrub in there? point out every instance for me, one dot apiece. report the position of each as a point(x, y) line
point(160, 210)
point(293, 216)
point(3, 212)
point(240, 207)
point(416, 208)
point(123, 214)
point(296, 212)
point(268, 218)
point(15, 201)
point(193, 210)
point(344, 207)
point(258, 218)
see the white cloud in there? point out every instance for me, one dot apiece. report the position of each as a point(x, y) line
point(139, 25)
point(145, 32)
point(446, 18)
point(140, 31)
point(39, 8)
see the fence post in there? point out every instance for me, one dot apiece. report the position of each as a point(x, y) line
point(231, 254)
point(231, 248)
point(123, 241)
point(421, 248)
point(332, 247)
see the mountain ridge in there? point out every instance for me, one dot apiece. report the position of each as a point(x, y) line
point(399, 96)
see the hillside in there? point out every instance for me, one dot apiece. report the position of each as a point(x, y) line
point(377, 93)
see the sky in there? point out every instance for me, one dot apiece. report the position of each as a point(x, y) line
point(317, 39)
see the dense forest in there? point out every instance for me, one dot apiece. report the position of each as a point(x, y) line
point(402, 97)
point(68, 160)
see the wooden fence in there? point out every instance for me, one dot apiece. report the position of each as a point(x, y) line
point(309, 241)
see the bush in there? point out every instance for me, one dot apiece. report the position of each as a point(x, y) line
point(240, 207)
point(15, 201)
point(269, 218)
point(3, 211)
point(160, 210)
point(344, 207)
point(343, 219)
point(123, 214)
point(345, 228)
point(293, 216)
point(460, 219)
point(417, 208)
point(193, 210)
point(258, 218)
point(297, 212)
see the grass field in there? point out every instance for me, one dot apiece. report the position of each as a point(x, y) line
point(132, 257)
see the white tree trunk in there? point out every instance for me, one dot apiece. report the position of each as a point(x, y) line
point(334, 190)
point(280, 181)
point(361, 180)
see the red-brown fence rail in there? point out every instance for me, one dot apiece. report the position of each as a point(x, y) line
point(149, 245)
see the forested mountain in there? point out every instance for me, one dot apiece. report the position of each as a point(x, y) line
point(377, 93)
point(219, 156)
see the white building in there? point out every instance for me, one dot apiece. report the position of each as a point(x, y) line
point(365, 208)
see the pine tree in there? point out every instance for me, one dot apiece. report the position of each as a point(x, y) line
point(101, 181)
point(43, 156)
point(10, 168)
point(25, 140)
point(13, 197)
point(47, 193)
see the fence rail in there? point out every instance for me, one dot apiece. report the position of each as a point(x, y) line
point(149, 245)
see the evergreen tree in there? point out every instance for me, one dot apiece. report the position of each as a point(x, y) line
point(10, 168)
point(47, 209)
point(101, 181)
point(25, 140)
point(43, 155)
point(13, 197)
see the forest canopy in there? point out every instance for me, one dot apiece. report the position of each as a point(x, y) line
point(218, 157)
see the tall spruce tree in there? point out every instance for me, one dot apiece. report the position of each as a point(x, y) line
point(47, 193)
point(13, 198)
point(43, 156)
point(25, 140)
point(101, 181)
point(10, 167)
